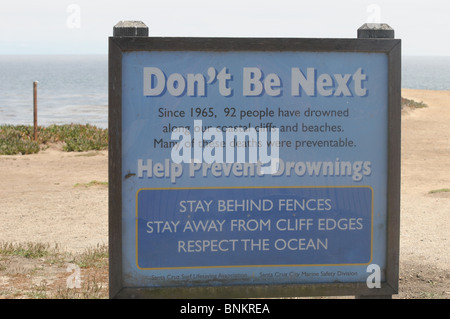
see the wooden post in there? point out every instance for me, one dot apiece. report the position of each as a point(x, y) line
point(35, 108)
point(130, 29)
point(377, 31)
point(121, 29)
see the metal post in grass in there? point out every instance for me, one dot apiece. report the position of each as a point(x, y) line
point(35, 108)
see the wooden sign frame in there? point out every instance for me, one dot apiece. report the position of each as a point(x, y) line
point(118, 45)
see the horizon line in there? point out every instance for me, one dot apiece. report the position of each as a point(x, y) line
point(106, 54)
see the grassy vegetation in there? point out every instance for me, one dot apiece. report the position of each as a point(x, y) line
point(412, 104)
point(94, 257)
point(441, 190)
point(27, 250)
point(40, 271)
point(91, 184)
point(19, 139)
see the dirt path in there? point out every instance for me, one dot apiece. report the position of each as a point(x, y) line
point(47, 198)
point(425, 217)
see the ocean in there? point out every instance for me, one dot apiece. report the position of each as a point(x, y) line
point(426, 73)
point(74, 89)
point(71, 89)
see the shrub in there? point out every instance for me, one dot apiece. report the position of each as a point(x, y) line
point(19, 139)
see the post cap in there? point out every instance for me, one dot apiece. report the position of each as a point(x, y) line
point(130, 29)
point(375, 30)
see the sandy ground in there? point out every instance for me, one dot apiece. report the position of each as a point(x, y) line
point(425, 217)
point(43, 198)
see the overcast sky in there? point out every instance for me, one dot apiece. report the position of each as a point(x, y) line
point(83, 26)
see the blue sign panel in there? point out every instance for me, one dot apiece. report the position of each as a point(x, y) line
point(229, 227)
point(238, 166)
